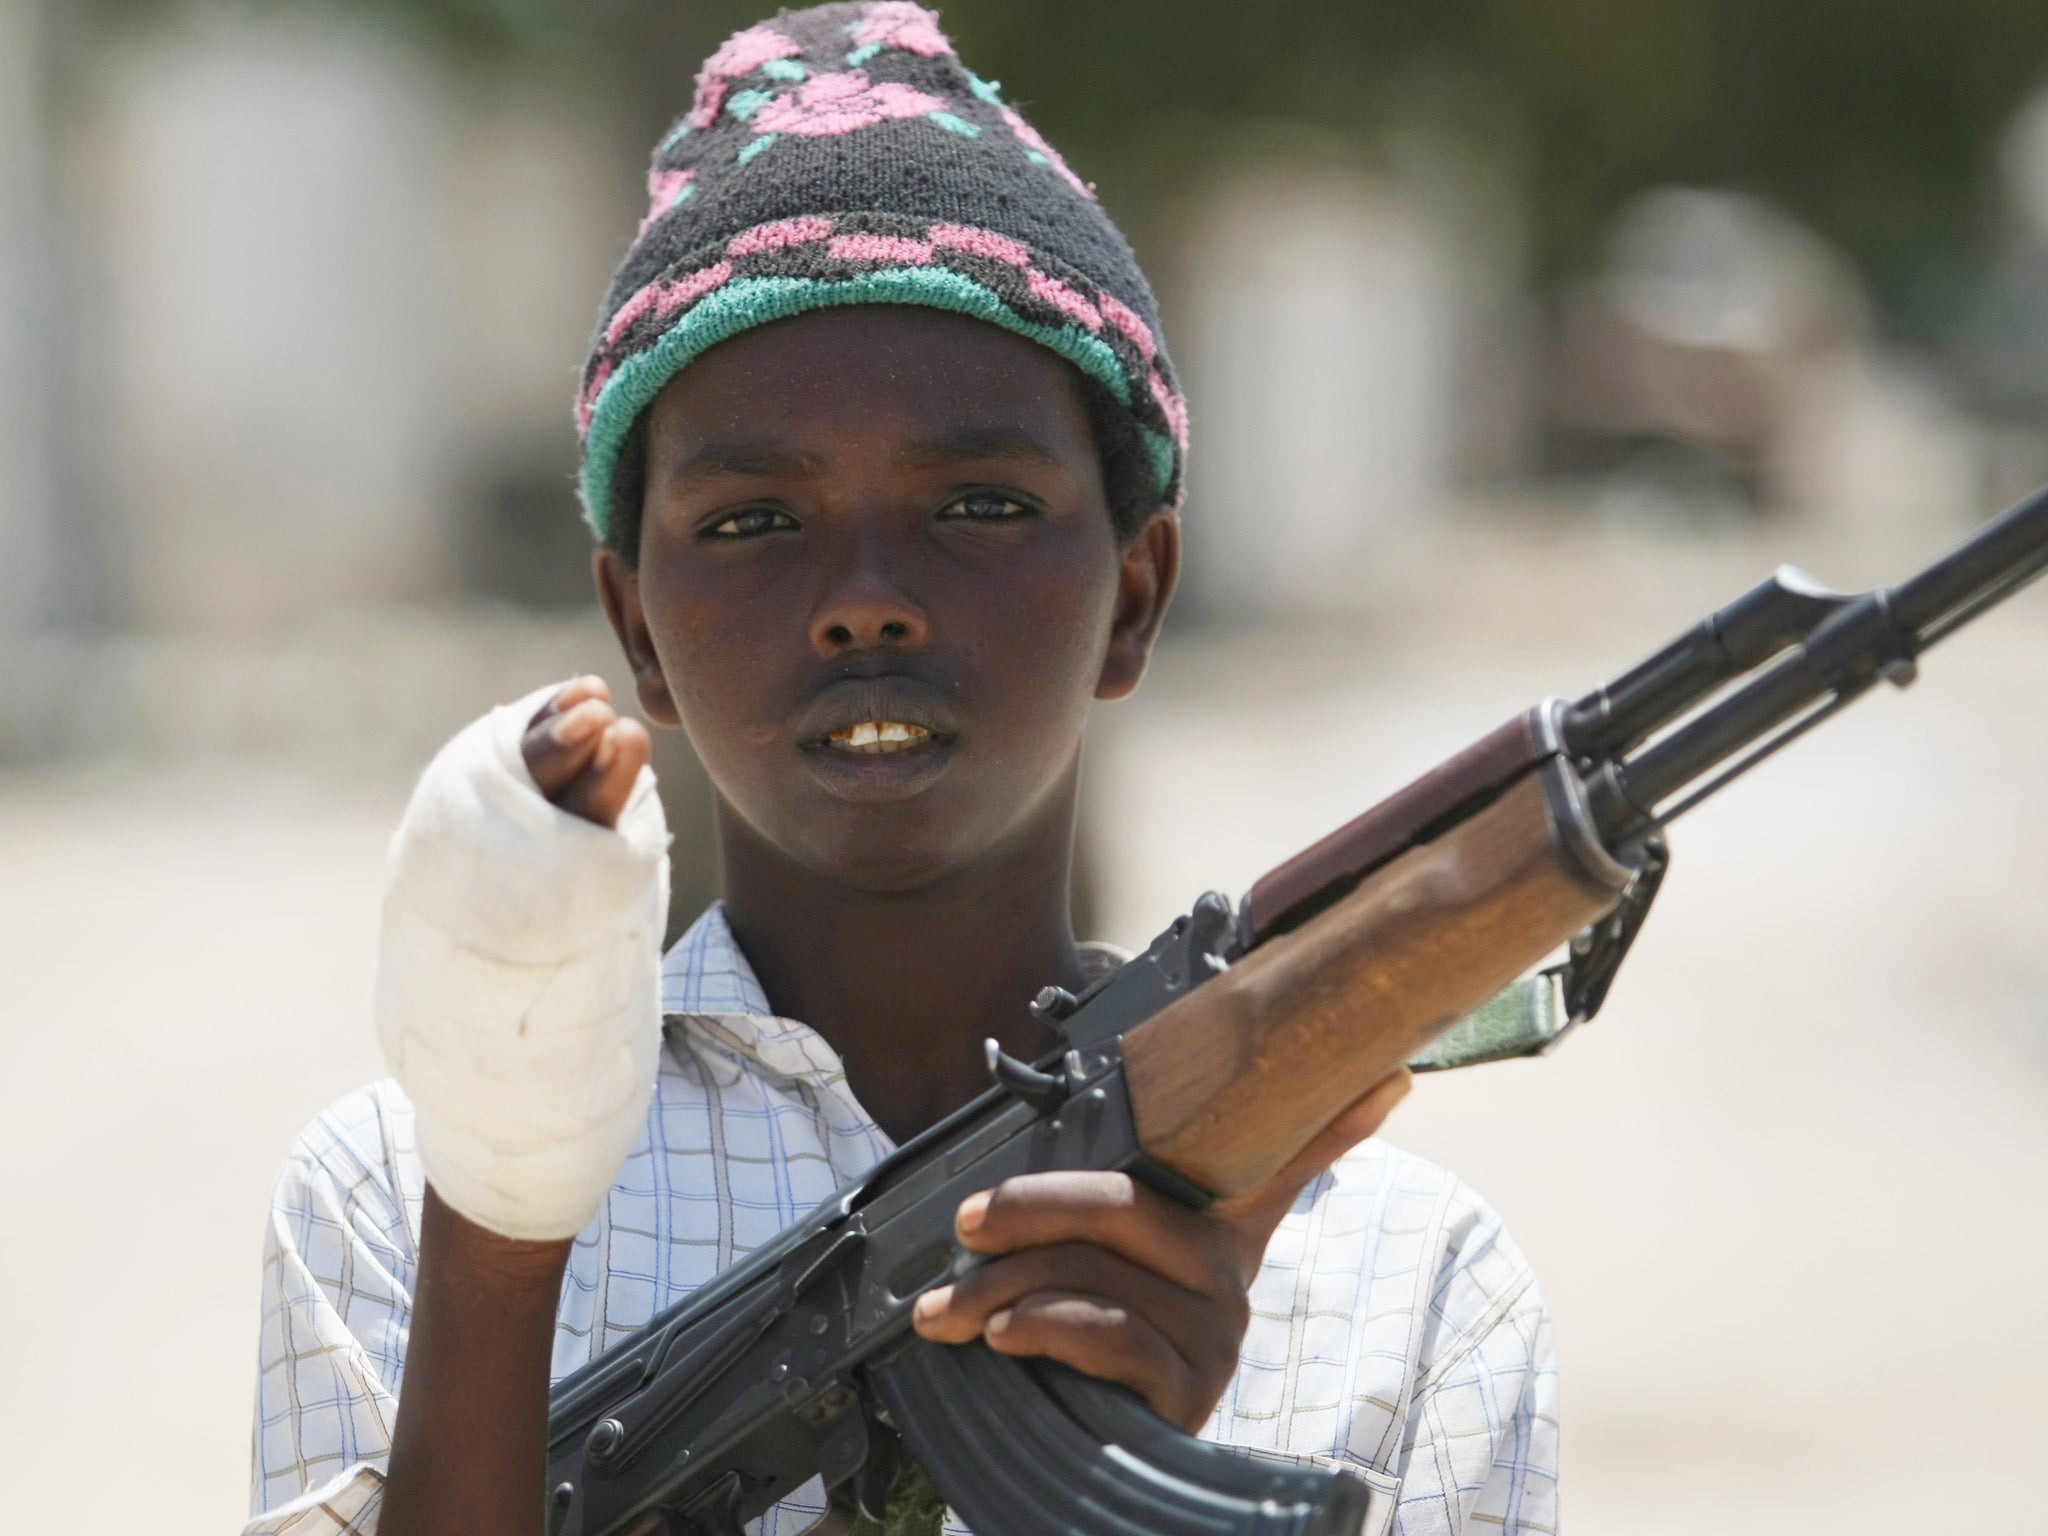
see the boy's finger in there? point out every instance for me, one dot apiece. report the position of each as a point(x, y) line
point(559, 746)
point(580, 724)
point(600, 791)
point(955, 1313)
point(1111, 1210)
point(572, 693)
point(1362, 1119)
point(1101, 1339)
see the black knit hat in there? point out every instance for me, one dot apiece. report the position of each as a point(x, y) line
point(844, 155)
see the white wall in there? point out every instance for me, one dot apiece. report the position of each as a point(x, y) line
point(38, 586)
point(262, 193)
point(1318, 331)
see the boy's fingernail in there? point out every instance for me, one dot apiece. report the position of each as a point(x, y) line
point(932, 1303)
point(577, 689)
point(973, 1211)
point(607, 750)
point(1000, 1321)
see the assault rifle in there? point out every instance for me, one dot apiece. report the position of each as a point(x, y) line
point(1201, 1067)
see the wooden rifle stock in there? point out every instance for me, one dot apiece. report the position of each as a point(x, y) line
point(1231, 1081)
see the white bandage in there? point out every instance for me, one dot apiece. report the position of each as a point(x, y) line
point(518, 982)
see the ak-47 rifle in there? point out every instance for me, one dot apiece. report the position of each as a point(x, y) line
point(1201, 1067)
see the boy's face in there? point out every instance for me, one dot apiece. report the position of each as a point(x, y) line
point(878, 586)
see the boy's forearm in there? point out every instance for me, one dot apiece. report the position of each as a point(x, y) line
point(470, 1449)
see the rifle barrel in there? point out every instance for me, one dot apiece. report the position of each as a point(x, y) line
point(1865, 639)
point(1995, 562)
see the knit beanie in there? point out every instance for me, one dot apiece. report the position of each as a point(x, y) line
point(844, 155)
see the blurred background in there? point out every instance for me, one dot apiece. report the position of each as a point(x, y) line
point(1518, 334)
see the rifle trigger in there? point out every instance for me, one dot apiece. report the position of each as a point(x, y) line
point(715, 1511)
point(871, 1482)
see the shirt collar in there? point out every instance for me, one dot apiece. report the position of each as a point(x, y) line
point(704, 971)
point(708, 988)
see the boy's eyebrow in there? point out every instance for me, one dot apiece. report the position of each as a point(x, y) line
point(725, 457)
point(715, 459)
point(996, 441)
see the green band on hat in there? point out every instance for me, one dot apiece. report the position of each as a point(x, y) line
point(745, 303)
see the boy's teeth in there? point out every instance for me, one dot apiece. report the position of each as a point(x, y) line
point(878, 736)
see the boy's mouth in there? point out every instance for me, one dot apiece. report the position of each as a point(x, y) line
point(876, 737)
point(876, 715)
point(871, 739)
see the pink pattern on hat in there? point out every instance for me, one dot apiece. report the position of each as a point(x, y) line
point(675, 295)
point(1127, 320)
point(587, 401)
point(1173, 408)
point(664, 190)
point(839, 103)
point(872, 247)
point(745, 52)
point(899, 24)
point(738, 56)
point(773, 237)
point(980, 242)
point(710, 97)
point(664, 298)
point(1063, 298)
point(1028, 137)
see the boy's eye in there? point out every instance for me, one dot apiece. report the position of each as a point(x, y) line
point(987, 507)
point(748, 523)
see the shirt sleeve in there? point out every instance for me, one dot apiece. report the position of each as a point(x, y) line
point(1482, 1428)
point(339, 1267)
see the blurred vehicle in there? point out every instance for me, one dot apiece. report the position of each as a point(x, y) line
point(1683, 360)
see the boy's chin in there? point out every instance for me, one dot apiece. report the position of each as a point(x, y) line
point(892, 823)
point(889, 854)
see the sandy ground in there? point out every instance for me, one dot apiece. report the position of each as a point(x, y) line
point(1783, 1195)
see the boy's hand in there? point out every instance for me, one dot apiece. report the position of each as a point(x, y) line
point(518, 987)
point(1114, 1280)
point(582, 754)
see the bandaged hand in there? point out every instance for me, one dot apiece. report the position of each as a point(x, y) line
point(518, 968)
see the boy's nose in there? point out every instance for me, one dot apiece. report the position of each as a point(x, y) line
point(864, 614)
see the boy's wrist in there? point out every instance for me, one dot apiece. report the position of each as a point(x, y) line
point(490, 1260)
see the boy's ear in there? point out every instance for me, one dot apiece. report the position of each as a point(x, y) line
point(1145, 582)
point(618, 589)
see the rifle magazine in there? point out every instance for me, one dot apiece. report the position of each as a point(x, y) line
point(1022, 1448)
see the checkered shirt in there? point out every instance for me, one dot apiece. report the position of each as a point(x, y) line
point(1396, 1330)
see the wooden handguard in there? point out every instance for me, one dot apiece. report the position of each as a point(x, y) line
point(1233, 1080)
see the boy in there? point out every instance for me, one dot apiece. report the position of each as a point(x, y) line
point(882, 450)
